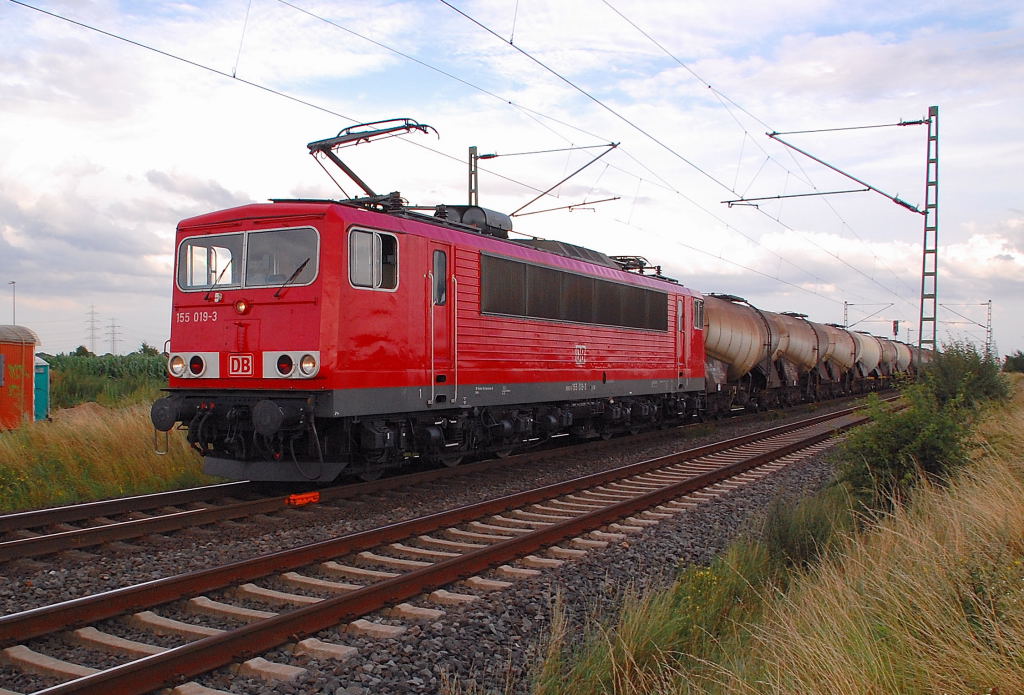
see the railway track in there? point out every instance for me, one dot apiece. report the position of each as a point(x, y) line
point(43, 532)
point(342, 580)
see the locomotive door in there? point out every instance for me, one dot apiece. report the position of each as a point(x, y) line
point(682, 335)
point(440, 338)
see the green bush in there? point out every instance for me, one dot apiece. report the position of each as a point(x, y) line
point(961, 372)
point(926, 440)
point(882, 461)
point(796, 536)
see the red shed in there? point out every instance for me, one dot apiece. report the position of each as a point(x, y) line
point(17, 374)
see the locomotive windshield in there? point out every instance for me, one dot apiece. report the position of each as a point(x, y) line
point(249, 259)
point(272, 257)
point(212, 261)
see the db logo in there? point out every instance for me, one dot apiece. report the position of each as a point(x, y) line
point(579, 355)
point(239, 365)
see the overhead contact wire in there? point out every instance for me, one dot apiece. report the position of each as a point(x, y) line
point(332, 112)
point(531, 113)
point(805, 178)
point(242, 80)
point(590, 96)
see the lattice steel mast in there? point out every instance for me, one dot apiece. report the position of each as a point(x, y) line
point(928, 324)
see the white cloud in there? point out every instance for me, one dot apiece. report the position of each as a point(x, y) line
point(107, 145)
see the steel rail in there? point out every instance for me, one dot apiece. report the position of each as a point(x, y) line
point(96, 535)
point(122, 505)
point(212, 652)
point(17, 627)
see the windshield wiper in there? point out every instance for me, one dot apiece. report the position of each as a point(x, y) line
point(216, 282)
point(294, 275)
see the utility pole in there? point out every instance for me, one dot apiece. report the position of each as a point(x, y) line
point(928, 322)
point(474, 177)
point(92, 328)
point(988, 333)
point(846, 315)
point(112, 334)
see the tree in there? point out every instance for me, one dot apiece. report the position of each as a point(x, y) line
point(82, 351)
point(147, 349)
point(1014, 362)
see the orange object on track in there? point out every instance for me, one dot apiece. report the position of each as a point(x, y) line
point(301, 498)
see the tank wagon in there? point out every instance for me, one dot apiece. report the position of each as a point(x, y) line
point(315, 337)
point(760, 359)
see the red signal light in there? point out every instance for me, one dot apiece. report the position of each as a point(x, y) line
point(285, 365)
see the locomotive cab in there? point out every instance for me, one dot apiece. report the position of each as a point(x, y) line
point(244, 356)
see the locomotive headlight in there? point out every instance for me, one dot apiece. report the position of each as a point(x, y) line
point(176, 365)
point(196, 365)
point(307, 365)
point(242, 306)
point(285, 365)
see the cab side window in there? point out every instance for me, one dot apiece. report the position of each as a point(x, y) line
point(698, 314)
point(373, 260)
point(440, 274)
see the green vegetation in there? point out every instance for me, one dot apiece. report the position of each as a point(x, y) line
point(690, 637)
point(961, 375)
point(882, 463)
point(906, 575)
point(1014, 362)
point(926, 441)
point(110, 380)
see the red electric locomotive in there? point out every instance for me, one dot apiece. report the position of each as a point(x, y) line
point(311, 337)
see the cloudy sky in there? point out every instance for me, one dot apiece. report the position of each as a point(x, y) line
point(118, 119)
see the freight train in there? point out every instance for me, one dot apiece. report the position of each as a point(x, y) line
point(311, 338)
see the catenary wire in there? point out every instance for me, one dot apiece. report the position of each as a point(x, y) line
point(335, 113)
point(533, 112)
point(805, 177)
point(244, 81)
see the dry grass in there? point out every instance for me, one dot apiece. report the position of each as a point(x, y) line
point(928, 600)
point(90, 452)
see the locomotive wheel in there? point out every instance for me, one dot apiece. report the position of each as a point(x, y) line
point(503, 453)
